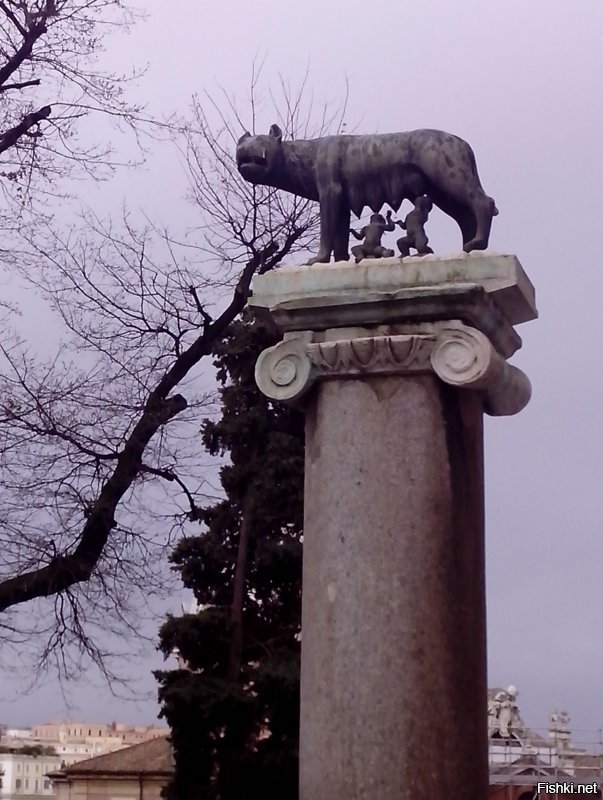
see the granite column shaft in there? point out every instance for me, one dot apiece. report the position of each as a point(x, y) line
point(394, 637)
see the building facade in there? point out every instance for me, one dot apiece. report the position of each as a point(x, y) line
point(26, 775)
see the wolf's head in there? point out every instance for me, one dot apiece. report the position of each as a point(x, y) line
point(259, 156)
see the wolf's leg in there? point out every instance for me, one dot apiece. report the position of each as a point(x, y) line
point(484, 210)
point(330, 212)
point(342, 233)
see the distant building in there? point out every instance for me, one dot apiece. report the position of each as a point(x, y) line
point(521, 757)
point(193, 607)
point(139, 772)
point(16, 733)
point(26, 775)
point(135, 734)
point(67, 730)
point(74, 740)
point(78, 731)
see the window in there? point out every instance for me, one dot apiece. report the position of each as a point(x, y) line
point(27, 783)
point(19, 767)
point(47, 784)
point(18, 784)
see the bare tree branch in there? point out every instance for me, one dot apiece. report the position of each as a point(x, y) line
point(116, 409)
point(30, 37)
point(71, 568)
point(22, 85)
point(49, 83)
point(10, 137)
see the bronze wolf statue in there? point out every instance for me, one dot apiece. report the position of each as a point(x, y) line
point(347, 173)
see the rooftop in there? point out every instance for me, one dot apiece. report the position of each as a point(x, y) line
point(151, 757)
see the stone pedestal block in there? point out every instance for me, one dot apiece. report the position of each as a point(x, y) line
point(394, 363)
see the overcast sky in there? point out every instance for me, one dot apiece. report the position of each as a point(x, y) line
point(521, 82)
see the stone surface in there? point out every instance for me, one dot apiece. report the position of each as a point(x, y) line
point(342, 284)
point(488, 292)
point(403, 356)
point(461, 356)
point(394, 652)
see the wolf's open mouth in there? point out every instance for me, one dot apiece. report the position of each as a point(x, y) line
point(259, 161)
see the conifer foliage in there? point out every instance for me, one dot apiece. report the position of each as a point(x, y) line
point(234, 712)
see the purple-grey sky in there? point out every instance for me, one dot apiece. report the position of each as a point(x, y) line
point(520, 81)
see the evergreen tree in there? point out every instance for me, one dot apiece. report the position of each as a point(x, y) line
point(234, 713)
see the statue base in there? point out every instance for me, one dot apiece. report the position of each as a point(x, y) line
point(394, 362)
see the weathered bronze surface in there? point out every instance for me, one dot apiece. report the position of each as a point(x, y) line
point(347, 173)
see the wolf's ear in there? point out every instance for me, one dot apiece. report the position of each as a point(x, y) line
point(246, 135)
point(276, 132)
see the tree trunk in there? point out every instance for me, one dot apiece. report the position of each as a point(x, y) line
point(238, 592)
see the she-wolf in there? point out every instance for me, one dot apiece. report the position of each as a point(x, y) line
point(347, 173)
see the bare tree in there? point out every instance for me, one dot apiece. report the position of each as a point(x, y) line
point(50, 81)
point(239, 219)
point(83, 436)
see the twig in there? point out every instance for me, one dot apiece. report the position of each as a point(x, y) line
point(207, 318)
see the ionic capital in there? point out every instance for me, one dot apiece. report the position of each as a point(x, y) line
point(464, 357)
point(458, 354)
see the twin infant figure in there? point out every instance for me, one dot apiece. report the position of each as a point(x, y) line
point(414, 225)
